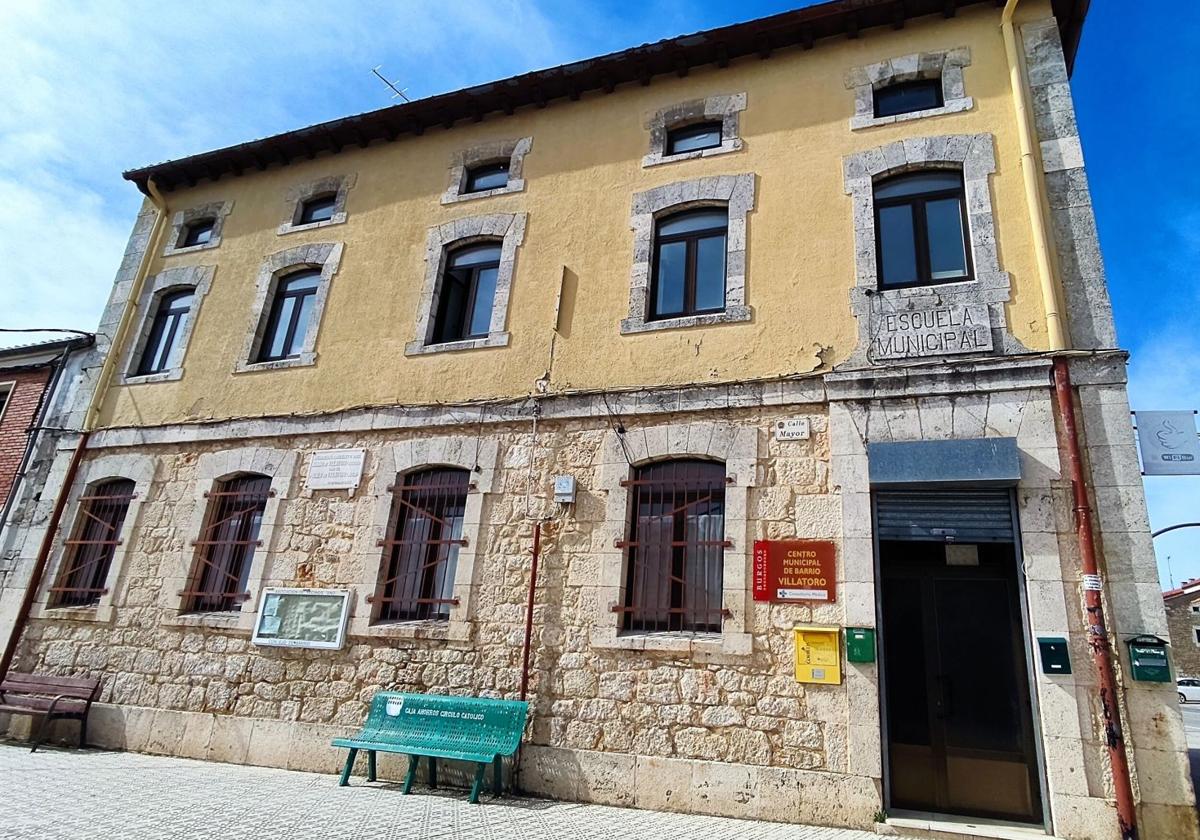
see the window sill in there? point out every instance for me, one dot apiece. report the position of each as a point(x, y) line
point(692, 644)
point(289, 227)
point(727, 146)
point(732, 315)
point(419, 348)
point(230, 620)
point(172, 251)
point(952, 106)
point(169, 375)
point(97, 613)
point(514, 186)
point(303, 360)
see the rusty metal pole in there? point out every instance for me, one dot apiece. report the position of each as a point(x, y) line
point(43, 557)
point(533, 570)
point(1097, 632)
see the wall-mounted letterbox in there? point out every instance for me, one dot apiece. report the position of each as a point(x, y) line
point(1056, 659)
point(1148, 657)
point(860, 644)
point(818, 654)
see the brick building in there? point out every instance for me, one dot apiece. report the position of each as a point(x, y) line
point(1183, 621)
point(805, 279)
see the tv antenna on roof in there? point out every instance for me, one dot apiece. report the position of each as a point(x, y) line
point(396, 92)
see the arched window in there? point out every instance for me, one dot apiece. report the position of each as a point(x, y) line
point(694, 137)
point(166, 333)
point(689, 263)
point(921, 229)
point(291, 309)
point(93, 541)
point(467, 292)
point(319, 208)
point(416, 579)
point(676, 547)
point(225, 549)
point(487, 176)
point(197, 232)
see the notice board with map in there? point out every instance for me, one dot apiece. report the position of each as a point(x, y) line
point(302, 618)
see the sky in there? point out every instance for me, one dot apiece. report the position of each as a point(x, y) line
point(94, 88)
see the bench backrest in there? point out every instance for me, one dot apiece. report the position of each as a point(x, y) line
point(81, 688)
point(466, 723)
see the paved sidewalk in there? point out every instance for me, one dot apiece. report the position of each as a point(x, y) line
point(55, 795)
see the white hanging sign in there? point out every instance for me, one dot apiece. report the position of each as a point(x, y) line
point(792, 428)
point(335, 469)
point(1168, 442)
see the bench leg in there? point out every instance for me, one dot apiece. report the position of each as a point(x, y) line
point(480, 767)
point(345, 780)
point(432, 772)
point(83, 732)
point(370, 765)
point(412, 772)
point(41, 733)
point(496, 775)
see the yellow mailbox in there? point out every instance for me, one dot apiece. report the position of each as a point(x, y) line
point(818, 654)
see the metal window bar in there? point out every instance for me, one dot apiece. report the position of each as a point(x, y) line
point(673, 580)
point(94, 541)
point(226, 546)
point(420, 559)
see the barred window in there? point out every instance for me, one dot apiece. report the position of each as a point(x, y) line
point(226, 546)
point(676, 547)
point(416, 578)
point(94, 540)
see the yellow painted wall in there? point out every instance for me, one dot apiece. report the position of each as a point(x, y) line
point(584, 167)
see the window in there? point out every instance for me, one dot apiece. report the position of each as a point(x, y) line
point(199, 232)
point(317, 209)
point(420, 559)
point(689, 263)
point(467, 293)
point(6, 389)
point(906, 97)
point(488, 176)
point(676, 547)
point(166, 333)
point(226, 545)
point(1196, 634)
point(921, 229)
point(1195, 607)
point(90, 549)
point(693, 138)
point(290, 312)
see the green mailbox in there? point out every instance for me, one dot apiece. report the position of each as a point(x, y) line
point(1148, 656)
point(1056, 658)
point(860, 644)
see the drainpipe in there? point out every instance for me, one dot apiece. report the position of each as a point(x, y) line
point(1031, 173)
point(89, 418)
point(533, 570)
point(1097, 632)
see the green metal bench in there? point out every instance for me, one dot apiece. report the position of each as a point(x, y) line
point(433, 726)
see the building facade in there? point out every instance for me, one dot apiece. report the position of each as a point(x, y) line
point(1183, 625)
point(772, 283)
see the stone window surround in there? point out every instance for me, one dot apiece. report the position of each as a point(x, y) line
point(6, 389)
point(199, 279)
point(295, 197)
point(136, 467)
point(726, 108)
point(736, 192)
point(211, 468)
point(325, 256)
point(735, 446)
point(513, 151)
point(216, 210)
point(509, 228)
point(481, 458)
point(973, 155)
point(946, 65)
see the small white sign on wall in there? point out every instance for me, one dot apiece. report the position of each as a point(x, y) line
point(793, 428)
point(335, 469)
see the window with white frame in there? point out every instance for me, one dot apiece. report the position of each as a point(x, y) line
point(494, 168)
point(316, 204)
point(694, 129)
point(909, 87)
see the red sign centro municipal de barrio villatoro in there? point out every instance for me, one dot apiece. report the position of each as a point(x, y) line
point(795, 570)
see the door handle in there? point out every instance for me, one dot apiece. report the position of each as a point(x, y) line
point(945, 698)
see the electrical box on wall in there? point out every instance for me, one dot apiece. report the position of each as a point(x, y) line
point(860, 644)
point(1148, 658)
point(1056, 658)
point(564, 489)
point(818, 654)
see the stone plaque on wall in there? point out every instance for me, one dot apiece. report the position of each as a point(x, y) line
point(937, 331)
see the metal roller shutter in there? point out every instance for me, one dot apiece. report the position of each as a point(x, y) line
point(967, 516)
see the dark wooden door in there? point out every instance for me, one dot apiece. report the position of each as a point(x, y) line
point(960, 722)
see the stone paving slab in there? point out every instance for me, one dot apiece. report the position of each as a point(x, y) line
point(60, 794)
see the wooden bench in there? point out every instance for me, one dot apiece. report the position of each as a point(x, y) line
point(54, 698)
point(432, 726)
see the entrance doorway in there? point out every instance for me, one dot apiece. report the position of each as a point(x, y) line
point(959, 719)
